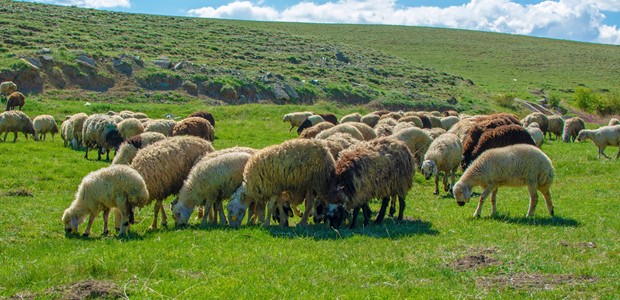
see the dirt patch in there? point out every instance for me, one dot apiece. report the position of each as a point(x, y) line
point(480, 259)
point(19, 193)
point(532, 281)
point(89, 289)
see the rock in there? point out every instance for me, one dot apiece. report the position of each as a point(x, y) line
point(315, 82)
point(280, 94)
point(182, 64)
point(33, 63)
point(45, 51)
point(290, 91)
point(86, 61)
point(46, 58)
point(190, 88)
point(163, 62)
point(122, 66)
point(341, 57)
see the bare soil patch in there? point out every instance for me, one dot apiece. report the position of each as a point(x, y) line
point(89, 289)
point(19, 193)
point(479, 259)
point(532, 281)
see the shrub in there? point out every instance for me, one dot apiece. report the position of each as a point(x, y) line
point(506, 100)
point(584, 98)
point(554, 100)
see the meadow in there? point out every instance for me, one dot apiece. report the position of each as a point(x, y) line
point(440, 251)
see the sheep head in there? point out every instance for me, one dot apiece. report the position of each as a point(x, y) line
point(180, 214)
point(72, 221)
point(461, 193)
point(336, 214)
point(429, 168)
point(583, 135)
point(236, 207)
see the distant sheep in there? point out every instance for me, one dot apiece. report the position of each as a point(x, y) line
point(331, 118)
point(370, 119)
point(100, 132)
point(571, 129)
point(613, 121)
point(195, 126)
point(128, 149)
point(63, 130)
point(313, 131)
point(205, 115)
point(501, 136)
point(556, 125)
point(602, 137)
point(415, 120)
point(403, 125)
point(163, 126)
point(448, 122)
point(296, 118)
point(540, 118)
point(444, 155)
point(367, 132)
point(448, 113)
point(345, 128)
point(309, 122)
point(16, 121)
point(385, 127)
point(164, 166)
point(130, 127)
point(75, 128)
point(515, 165)
point(116, 186)
point(354, 117)
point(14, 100)
point(537, 135)
point(8, 87)
point(43, 124)
point(417, 141)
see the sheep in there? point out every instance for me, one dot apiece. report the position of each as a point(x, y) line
point(163, 126)
point(435, 121)
point(117, 186)
point(462, 129)
point(370, 119)
point(571, 129)
point(299, 167)
point(602, 137)
point(313, 131)
point(309, 122)
point(8, 87)
point(130, 147)
point(164, 166)
point(540, 118)
point(385, 127)
point(516, 165)
point(393, 115)
point(444, 154)
point(100, 132)
point(556, 125)
point(75, 128)
point(480, 126)
point(435, 132)
point(367, 132)
point(195, 126)
point(331, 118)
point(63, 130)
point(296, 118)
point(613, 121)
point(208, 183)
point(497, 137)
point(415, 120)
point(401, 126)
point(381, 112)
point(417, 141)
point(354, 117)
point(130, 127)
point(537, 135)
point(448, 122)
point(43, 124)
point(338, 142)
point(14, 100)
point(426, 122)
point(381, 168)
point(448, 113)
point(205, 115)
point(344, 127)
point(16, 121)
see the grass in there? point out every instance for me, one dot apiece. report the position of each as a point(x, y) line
point(439, 252)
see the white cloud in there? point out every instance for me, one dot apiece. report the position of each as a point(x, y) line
point(91, 3)
point(563, 19)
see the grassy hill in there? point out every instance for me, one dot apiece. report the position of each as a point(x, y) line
point(154, 58)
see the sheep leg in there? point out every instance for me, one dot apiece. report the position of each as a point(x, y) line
point(5, 134)
point(117, 219)
point(533, 200)
point(436, 184)
point(392, 208)
point(270, 207)
point(452, 179)
point(309, 207)
point(283, 215)
point(220, 209)
point(401, 208)
point(164, 216)
point(124, 212)
point(91, 219)
point(618, 155)
point(106, 217)
point(366, 211)
point(201, 212)
point(260, 211)
point(155, 213)
point(15, 137)
point(384, 203)
point(212, 214)
point(601, 150)
point(547, 195)
point(483, 196)
point(493, 207)
point(446, 177)
point(356, 211)
point(86, 155)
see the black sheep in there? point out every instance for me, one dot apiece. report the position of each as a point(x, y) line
point(501, 136)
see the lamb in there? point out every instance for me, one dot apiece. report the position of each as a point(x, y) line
point(100, 132)
point(313, 131)
point(571, 129)
point(195, 126)
point(381, 168)
point(354, 117)
point(613, 121)
point(602, 137)
point(539, 118)
point(556, 125)
point(296, 118)
point(163, 126)
point(117, 186)
point(14, 100)
point(516, 165)
point(309, 122)
point(205, 115)
point(128, 149)
point(299, 167)
point(16, 121)
point(8, 87)
point(370, 119)
point(444, 155)
point(75, 128)
point(164, 166)
point(130, 127)
point(417, 141)
point(537, 135)
point(43, 124)
point(498, 137)
point(345, 128)
point(208, 183)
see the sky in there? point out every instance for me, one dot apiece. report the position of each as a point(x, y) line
point(593, 21)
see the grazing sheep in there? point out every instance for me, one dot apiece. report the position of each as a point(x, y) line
point(195, 126)
point(448, 122)
point(515, 165)
point(443, 155)
point(205, 115)
point(313, 131)
point(130, 127)
point(63, 130)
point(331, 118)
point(209, 182)
point(296, 118)
point(338, 142)
point(370, 120)
point(462, 129)
point(128, 149)
point(556, 125)
point(540, 118)
point(8, 87)
point(14, 100)
point(367, 132)
point(537, 135)
point(435, 132)
point(415, 120)
point(16, 121)
point(602, 137)
point(100, 132)
point(613, 121)
point(393, 115)
point(385, 127)
point(501, 136)
point(43, 124)
point(354, 117)
point(435, 121)
point(381, 168)
point(116, 186)
point(164, 166)
point(480, 126)
point(448, 113)
point(163, 126)
point(571, 129)
point(417, 141)
point(299, 167)
point(401, 126)
point(140, 116)
point(309, 122)
point(344, 128)
point(75, 129)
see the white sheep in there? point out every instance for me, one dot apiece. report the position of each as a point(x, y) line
point(556, 125)
point(209, 182)
point(353, 117)
point(341, 128)
point(370, 119)
point(296, 118)
point(75, 128)
point(100, 132)
point(63, 130)
point(613, 121)
point(417, 140)
point(117, 186)
point(537, 135)
point(571, 129)
point(16, 121)
point(163, 126)
point(367, 132)
point(602, 137)
point(128, 149)
point(448, 122)
point(129, 127)
point(43, 124)
point(516, 165)
point(443, 155)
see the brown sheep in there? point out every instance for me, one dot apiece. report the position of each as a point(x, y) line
point(501, 136)
point(195, 126)
point(205, 115)
point(14, 100)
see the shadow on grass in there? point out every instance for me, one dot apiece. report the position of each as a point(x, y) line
point(555, 221)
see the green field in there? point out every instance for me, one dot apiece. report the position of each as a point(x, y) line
point(440, 251)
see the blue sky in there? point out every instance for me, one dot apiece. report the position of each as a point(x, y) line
point(594, 21)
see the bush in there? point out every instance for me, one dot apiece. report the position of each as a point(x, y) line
point(554, 100)
point(584, 98)
point(505, 100)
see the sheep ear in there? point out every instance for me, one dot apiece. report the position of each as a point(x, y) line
point(434, 168)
